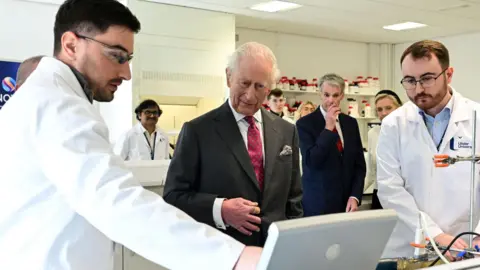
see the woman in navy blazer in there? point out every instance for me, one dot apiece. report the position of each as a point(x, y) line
point(332, 154)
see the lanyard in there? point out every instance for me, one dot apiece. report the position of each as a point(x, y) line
point(152, 150)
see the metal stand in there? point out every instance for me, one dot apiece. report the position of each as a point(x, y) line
point(472, 180)
point(443, 160)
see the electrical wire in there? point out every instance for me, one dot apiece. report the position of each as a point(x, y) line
point(451, 244)
point(425, 229)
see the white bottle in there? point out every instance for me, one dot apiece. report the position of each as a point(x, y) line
point(368, 111)
point(347, 87)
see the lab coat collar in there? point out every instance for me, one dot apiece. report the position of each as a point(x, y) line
point(238, 116)
point(140, 130)
point(458, 114)
point(83, 83)
point(49, 66)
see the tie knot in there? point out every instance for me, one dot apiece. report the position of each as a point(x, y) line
point(250, 120)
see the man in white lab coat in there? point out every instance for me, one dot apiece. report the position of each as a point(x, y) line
point(65, 196)
point(145, 140)
point(437, 120)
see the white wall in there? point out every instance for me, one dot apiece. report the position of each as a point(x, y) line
point(181, 52)
point(27, 29)
point(310, 57)
point(464, 58)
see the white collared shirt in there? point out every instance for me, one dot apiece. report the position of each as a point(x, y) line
point(243, 127)
point(337, 125)
point(150, 137)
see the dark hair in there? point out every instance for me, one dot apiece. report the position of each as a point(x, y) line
point(390, 93)
point(276, 93)
point(91, 16)
point(148, 103)
point(425, 49)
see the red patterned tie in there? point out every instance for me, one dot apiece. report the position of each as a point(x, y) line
point(339, 141)
point(255, 149)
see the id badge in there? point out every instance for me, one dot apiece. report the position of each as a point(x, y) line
point(462, 142)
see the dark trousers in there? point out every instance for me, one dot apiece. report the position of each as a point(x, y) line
point(375, 201)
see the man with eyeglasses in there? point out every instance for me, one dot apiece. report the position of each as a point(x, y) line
point(144, 141)
point(437, 120)
point(65, 195)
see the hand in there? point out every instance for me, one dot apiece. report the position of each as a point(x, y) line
point(238, 214)
point(476, 241)
point(332, 116)
point(352, 205)
point(444, 239)
point(249, 258)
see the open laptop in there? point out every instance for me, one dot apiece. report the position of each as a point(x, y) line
point(334, 242)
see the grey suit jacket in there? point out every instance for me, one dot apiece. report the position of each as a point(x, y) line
point(211, 161)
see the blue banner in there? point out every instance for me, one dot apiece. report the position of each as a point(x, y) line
point(8, 73)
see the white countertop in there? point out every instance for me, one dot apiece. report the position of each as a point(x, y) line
point(149, 172)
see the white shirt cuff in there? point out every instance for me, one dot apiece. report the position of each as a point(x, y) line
point(217, 213)
point(358, 202)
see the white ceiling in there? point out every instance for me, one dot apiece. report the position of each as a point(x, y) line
point(355, 20)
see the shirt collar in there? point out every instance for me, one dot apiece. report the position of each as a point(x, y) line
point(143, 129)
point(83, 83)
point(238, 116)
point(323, 111)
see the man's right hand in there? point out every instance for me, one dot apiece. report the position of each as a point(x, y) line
point(331, 117)
point(239, 213)
point(249, 258)
point(444, 239)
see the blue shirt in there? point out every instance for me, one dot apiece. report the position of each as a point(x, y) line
point(437, 125)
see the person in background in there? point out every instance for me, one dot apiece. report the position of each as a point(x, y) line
point(436, 120)
point(145, 141)
point(65, 196)
point(386, 101)
point(26, 68)
point(332, 154)
point(236, 168)
point(276, 103)
point(304, 109)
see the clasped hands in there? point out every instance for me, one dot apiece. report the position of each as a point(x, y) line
point(241, 215)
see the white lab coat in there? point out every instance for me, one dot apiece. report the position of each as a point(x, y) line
point(64, 194)
point(408, 181)
point(371, 179)
point(132, 145)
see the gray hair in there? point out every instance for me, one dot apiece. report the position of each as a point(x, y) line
point(333, 80)
point(257, 50)
point(26, 68)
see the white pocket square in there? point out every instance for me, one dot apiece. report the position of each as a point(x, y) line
point(287, 150)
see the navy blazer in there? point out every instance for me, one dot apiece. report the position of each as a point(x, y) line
point(330, 177)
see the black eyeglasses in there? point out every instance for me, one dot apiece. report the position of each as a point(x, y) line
point(115, 53)
point(427, 81)
point(150, 113)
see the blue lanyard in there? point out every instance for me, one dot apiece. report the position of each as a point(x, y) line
point(152, 150)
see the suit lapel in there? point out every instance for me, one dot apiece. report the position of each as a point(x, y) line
point(271, 140)
point(227, 127)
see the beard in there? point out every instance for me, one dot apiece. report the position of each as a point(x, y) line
point(427, 101)
point(101, 92)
